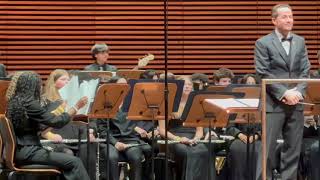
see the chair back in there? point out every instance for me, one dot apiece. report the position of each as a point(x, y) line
point(9, 141)
point(4, 84)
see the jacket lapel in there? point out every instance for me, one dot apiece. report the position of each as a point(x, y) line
point(293, 50)
point(279, 47)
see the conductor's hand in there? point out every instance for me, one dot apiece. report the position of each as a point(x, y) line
point(292, 97)
point(143, 133)
point(120, 146)
point(82, 102)
point(213, 135)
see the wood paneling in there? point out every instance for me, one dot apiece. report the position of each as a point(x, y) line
point(203, 35)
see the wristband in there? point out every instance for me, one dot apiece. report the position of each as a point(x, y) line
point(177, 138)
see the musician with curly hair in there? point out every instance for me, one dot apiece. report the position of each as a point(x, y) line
point(26, 113)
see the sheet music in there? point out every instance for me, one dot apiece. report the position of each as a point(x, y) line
point(73, 92)
point(231, 102)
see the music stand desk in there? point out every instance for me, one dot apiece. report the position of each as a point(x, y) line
point(148, 103)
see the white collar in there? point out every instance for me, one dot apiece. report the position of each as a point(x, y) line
point(280, 36)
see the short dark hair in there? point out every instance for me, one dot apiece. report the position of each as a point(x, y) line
point(223, 73)
point(148, 74)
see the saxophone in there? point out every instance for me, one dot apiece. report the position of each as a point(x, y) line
point(220, 161)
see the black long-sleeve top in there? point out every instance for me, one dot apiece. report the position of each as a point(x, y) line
point(28, 135)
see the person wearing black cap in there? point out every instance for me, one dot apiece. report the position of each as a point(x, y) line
point(100, 53)
point(200, 81)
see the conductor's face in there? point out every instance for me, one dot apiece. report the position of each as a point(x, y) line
point(284, 20)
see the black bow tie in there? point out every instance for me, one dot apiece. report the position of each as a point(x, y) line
point(287, 39)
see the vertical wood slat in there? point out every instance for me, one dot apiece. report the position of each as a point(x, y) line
point(203, 35)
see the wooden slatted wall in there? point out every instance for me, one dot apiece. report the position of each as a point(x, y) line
point(203, 35)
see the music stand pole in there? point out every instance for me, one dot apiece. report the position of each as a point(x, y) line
point(106, 105)
point(166, 92)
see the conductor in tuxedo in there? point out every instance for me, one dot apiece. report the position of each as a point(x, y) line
point(100, 53)
point(283, 55)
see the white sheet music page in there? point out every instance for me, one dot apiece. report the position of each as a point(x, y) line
point(231, 102)
point(73, 92)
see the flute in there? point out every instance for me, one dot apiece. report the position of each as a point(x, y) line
point(198, 141)
point(69, 141)
point(98, 140)
point(222, 139)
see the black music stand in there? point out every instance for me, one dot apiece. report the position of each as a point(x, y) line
point(133, 82)
point(106, 105)
point(147, 103)
point(198, 113)
point(251, 118)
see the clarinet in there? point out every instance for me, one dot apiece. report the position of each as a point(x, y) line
point(98, 160)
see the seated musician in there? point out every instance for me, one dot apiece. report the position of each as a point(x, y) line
point(100, 53)
point(57, 79)
point(222, 77)
point(121, 137)
point(249, 79)
point(144, 128)
point(200, 81)
point(191, 158)
point(244, 134)
point(309, 165)
point(26, 113)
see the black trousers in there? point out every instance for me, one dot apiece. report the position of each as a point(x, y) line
point(134, 156)
point(290, 124)
point(71, 166)
point(139, 159)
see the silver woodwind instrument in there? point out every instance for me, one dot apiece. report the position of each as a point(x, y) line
point(98, 159)
point(72, 141)
point(69, 141)
point(198, 141)
point(222, 139)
